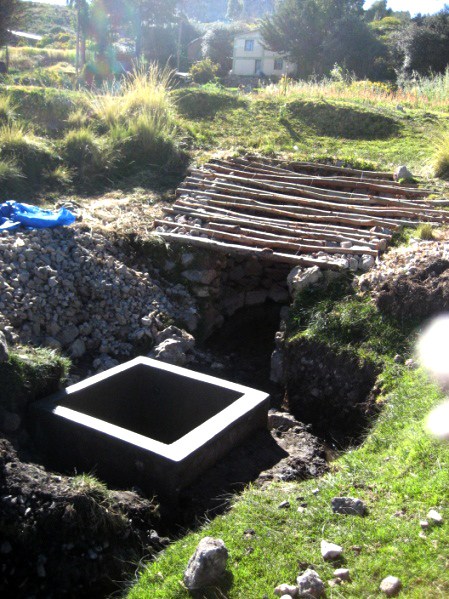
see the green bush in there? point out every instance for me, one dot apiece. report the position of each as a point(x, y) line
point(149, 142)
point(7, 110)
point(11, 178)
point(33, 154)
point(89, 156)
point(441, 157)
point(204, 71)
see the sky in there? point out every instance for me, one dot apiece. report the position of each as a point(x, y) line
point(414, 6)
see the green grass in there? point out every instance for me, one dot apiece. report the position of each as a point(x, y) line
point(400, 472)
point(310, 129)
point(30, 374)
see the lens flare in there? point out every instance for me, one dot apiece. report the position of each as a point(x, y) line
point(433, 348)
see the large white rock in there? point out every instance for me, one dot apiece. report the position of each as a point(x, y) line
point(207, 565)
point(300, 278)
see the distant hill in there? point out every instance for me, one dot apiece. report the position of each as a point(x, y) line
point(41, 19)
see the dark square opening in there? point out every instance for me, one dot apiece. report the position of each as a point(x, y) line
point(158, 404)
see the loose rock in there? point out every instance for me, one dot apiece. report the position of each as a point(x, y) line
point(342, 573)
point(207, 565)
point(435, 517)
point(330, 551)
point(348, 506)
point(3, 348)
point(286, 590)
point(390, 586)
point(310, 584)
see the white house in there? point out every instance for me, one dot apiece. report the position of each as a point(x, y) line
point(251, 59)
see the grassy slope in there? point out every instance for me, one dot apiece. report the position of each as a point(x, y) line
point(399, 471)
point(398, 468)
point(346, 130)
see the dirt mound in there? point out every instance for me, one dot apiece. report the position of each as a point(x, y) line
point(64, 536)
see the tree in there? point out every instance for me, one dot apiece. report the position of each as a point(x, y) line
point(82, 27)
point(378, 11)
point(8, 10)
point(424, 44)
point(315, 34)
point(234, 11)
point(218, 46)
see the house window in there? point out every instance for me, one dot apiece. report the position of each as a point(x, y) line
point(278, 64)
point(249, 45)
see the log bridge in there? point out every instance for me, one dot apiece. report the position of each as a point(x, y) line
point(297, 213)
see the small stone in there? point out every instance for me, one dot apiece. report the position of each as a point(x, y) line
point(424, 524)
point(3, 348)
point(5, 547)
point(207, 565)
point(342, 573)
point(284, 505)
point(403, 174)
point(77, 349)
point(330, 551)
point(348, 506)
point(435, 517)
point(390, 586)
point(40, 569)
point(310, 584)
point(286, 590)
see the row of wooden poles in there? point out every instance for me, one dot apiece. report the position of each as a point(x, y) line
point(289, 212)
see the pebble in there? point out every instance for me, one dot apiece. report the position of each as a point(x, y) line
point(330, 551)
point(435, 517)
point(342, 573)
point(284, 505)
point(286, 590)
point(390, 586)
point(348, 506)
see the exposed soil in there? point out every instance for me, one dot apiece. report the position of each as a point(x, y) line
point(63, 537)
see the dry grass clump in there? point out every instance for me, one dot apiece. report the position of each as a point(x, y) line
point(441, 157)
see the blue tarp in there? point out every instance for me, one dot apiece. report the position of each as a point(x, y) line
point(14, 215)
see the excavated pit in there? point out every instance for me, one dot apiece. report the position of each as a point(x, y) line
point(146, 424)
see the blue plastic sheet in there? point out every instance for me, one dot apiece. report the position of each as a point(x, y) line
point(15, 214)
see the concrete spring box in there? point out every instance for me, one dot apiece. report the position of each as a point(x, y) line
point(146, 424)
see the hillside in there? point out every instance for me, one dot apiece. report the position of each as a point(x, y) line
point(41, 18)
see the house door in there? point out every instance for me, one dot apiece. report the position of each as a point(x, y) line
point(258, 67)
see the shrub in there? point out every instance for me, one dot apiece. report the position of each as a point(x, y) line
point(11, 178)
point(7, 110)
point(441, 158)
point(31, 153)
point(88, 155)
point(425, 232)
point(204, 71)
point(150, 141)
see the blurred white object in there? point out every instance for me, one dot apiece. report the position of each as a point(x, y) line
point(438, 421)
point(433, 348)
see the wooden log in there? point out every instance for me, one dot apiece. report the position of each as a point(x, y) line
point(304, 191)
point(248, 198)
point(201, 209)
point(318, 241)
point(287, 212)
point(317, 181)
point(263, 254)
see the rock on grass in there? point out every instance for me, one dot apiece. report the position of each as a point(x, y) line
point(207, 565)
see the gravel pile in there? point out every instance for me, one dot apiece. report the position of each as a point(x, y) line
point(406, 261)
point(71, 289)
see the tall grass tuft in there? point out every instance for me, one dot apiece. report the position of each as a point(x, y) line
point(88, 155)
point(7, 110)
point(441, 157)
point(138, 117)
point(33, 154)
point(11, 178)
